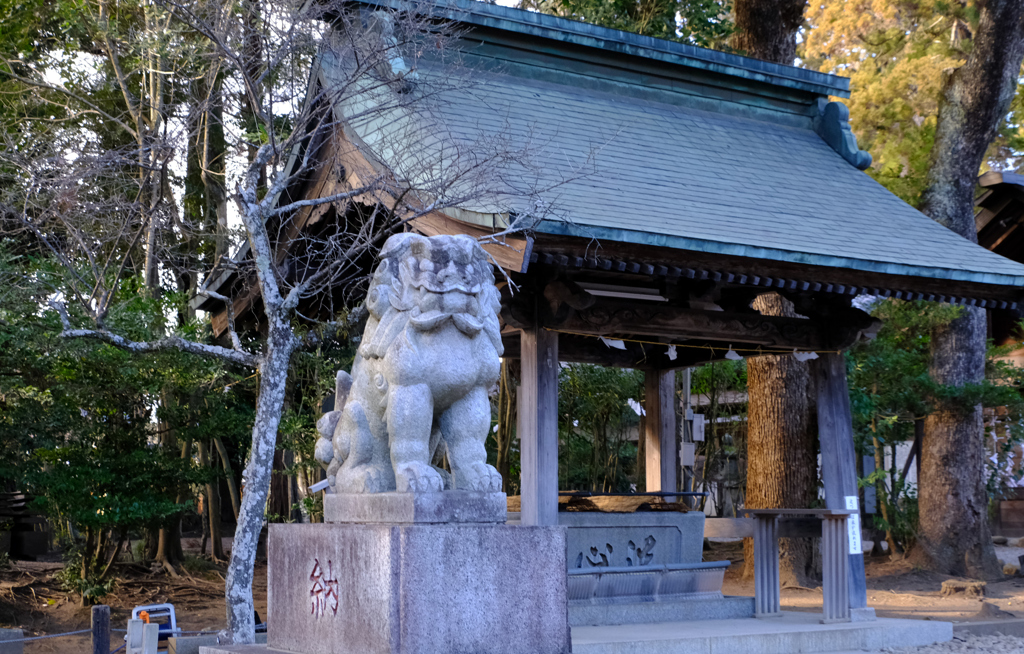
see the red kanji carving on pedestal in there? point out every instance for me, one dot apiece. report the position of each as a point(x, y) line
point(323, 590)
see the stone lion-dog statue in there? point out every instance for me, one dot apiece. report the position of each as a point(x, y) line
point(419, 384)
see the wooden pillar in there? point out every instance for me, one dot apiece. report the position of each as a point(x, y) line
point(662, 451)
point(101, 629)
point(538, 426)
point(838, 459)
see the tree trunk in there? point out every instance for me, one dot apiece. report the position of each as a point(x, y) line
point(213, 509)
point(273, 379)
point(884, 498)
point(277, 503)
point(230, 474)
point(766, 29)
point(508, 384)
point(781, 452)
point(953, 534)
point(781, 422)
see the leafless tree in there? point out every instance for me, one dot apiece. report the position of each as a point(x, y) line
point(341, 138)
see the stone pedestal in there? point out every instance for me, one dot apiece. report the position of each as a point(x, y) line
point(462, 507)
point(415, 587)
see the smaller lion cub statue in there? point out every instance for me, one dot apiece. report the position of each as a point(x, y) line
point(419, 383)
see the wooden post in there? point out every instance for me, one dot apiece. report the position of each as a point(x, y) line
point(662, 451)
point(835, 569)
point(101, 629)
point(838, 459)
point(766, 566)
point(538, 426)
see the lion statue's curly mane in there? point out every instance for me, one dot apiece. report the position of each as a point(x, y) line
point(418, 389)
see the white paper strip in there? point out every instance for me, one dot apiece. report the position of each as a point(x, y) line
point(853, 525)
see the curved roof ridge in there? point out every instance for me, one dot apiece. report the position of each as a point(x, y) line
point(575, 32)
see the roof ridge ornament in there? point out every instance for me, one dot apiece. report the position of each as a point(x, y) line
point(833, 126)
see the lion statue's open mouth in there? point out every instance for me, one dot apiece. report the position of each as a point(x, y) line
point(418, 388)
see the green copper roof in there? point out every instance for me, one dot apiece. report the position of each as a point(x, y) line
point(636, 160)
point(544, 26)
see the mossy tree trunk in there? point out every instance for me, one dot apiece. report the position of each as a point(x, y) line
point(766, 29)
point(954, 536)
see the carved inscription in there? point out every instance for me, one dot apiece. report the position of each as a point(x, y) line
point(323, 590)
point(599, 559)
point(636, 555)
point(643, 554)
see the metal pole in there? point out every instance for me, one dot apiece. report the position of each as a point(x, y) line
point(686, 435)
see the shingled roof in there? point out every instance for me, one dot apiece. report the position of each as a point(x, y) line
point(686, 148)
point(658, 158)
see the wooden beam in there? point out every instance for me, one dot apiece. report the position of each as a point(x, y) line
point(538, 427)
point(681, 260)
point(728, 527)
point(838, 460)
point(660, 430)
point(242, 302)
point(638, 356)
point(608, 317)
point(512, 253)
point(744, 528)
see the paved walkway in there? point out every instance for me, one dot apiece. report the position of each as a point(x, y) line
point(789, 634)
point(959, 645)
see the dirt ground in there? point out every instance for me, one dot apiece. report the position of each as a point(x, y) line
point(895, 590)
point(30, 598)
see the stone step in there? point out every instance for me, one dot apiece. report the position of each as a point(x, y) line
point(791, 633)
point(720, 608)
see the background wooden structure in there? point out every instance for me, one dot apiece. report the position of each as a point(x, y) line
point(713, 179)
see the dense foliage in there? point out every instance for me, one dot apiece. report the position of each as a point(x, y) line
point(700, 22)
point(897, 56)
point(595, 423)
point(890, 390)
point(83, 424)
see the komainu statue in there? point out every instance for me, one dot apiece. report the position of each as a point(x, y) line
point(419, 383)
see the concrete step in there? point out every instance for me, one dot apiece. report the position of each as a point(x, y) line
point(790, 634)
point(1004, 627)
point(793, 633)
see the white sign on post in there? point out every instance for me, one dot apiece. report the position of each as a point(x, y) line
point(853, 525)
point(698, 427)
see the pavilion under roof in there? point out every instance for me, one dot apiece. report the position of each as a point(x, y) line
point(659, 163)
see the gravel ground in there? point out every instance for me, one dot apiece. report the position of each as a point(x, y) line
point(961, 644)
point(1009, 554)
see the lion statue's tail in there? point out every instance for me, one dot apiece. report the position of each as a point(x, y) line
point(328, 422)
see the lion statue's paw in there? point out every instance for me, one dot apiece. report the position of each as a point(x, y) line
point(360, 479)
point(417, 477)
point(446, 477)
point(324, 452)
point(478, 477)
